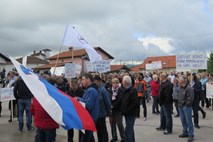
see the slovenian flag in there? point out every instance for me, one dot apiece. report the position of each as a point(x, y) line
point(65, 110)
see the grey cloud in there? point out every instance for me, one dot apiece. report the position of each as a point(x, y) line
point(38, 24)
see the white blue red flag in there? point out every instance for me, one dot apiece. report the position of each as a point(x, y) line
point(65, 110)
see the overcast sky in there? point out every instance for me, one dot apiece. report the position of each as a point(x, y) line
point(126, 29)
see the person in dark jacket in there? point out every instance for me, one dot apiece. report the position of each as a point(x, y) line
point(129, 107)
point(185, 101)
point(165, 101)
point(196, 84)
point(24, 96)
point(104, 110)
point(91, 100)
point(74, 91)
point(116, 118)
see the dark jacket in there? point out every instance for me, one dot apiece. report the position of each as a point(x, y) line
point(165, 93)
point(116, 103)
point(185, 96)
point(104, 102)
point(129, 102)
point(197, 90)
point(21, 91)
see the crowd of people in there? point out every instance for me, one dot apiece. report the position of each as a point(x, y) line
point(117, 97)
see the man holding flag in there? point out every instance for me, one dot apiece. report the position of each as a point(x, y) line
point(91, 100)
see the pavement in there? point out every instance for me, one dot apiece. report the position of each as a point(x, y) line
point(144, 130)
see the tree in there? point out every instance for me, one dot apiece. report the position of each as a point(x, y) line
point(210, 63)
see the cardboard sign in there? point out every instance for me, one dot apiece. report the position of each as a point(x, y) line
point(6, 94)
point(209, 90)
point(70, 70)
point(154, 65)
point(99, 66)
point(194, 61)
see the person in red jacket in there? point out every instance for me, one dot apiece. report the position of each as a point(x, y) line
point(46, 126)
point(155, 88)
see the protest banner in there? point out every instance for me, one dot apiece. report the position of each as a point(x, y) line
point(154, 65)
point(58, 70)
point(209, 90)
point(98, 66)
point(149, 67)
point(6, 94)
point(70, 70)
point(193, 61)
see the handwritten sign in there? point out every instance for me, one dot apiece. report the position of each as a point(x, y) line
point(209, 90)
point(154, 65)
point(58, 70)
point(99, 66)
point(194, 61)
point(70, 70)
point(6, 94)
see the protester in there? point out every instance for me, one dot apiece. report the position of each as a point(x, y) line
point(24, 96)
point(176, 88)
point(116, 117)
point(91, 100)
point(129, 107)
point(196, 103)
point(185, 101)
point(74, 91)
point(148, 79)
point(140, 86)
point(104, 110)
point(204, 100)
point(46, 126)
point(155, 89)
point(12, 77)
point(165, 101)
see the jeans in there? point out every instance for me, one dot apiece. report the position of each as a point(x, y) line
point(129, 129)
point(46, 135)
point(24, 104)
point(166, 117)
point(186, 120)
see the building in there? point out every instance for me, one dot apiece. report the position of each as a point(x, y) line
point(168, 64)
point(77, 56)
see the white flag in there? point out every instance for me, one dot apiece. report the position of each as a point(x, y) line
point(73, 38)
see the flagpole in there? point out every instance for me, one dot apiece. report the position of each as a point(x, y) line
point(59, 51)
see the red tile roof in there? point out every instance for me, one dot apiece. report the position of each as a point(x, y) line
point(167, 62)
point(114, 68)
point(76, 53)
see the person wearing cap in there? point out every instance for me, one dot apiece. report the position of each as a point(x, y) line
point(104, 110)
